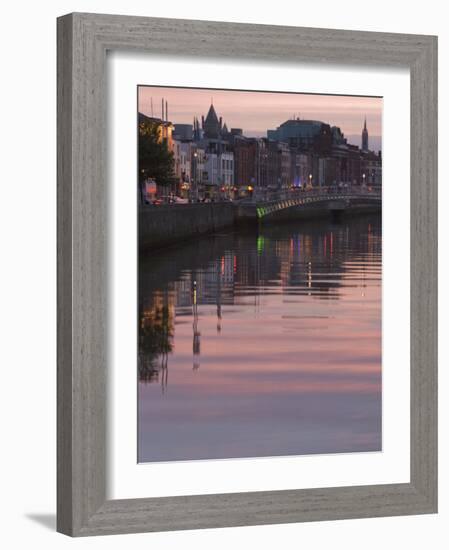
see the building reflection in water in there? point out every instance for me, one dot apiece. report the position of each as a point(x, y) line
point(242, 293)
point(196, 332)
point(305, 260)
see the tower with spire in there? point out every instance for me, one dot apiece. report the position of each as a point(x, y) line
point(365, 137)
point(212, 125)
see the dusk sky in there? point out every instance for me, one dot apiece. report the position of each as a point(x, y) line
point(255, 112)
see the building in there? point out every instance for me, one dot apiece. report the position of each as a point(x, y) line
point(284, 165)
point(183, 132)
point(218, 174)
point(274, 165)
point(346, 165)
point(199, 174)
point(212, 125)
point(245, 161)
point(165, 128)
point(227, 170)
point(182, 153)
point(301, 168)
point(304, 135)
point(371, 168)
point(267, 165)
point(212, 163)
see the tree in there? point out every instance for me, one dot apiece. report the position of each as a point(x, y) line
point(155, 160)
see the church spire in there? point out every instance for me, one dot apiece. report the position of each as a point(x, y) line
point(212, 125)
point(365, 137)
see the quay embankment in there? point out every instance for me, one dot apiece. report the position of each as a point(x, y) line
point(164, 225)
point(167, 224)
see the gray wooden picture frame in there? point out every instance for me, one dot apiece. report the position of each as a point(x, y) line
point(83, 40)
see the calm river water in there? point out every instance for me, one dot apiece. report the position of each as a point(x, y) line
point(262, 343)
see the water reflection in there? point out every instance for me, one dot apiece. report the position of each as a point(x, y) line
point(272, 340)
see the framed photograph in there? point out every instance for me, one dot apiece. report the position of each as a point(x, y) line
point(247, 274)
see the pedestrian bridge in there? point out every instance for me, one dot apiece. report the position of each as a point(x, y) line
point(309, 204)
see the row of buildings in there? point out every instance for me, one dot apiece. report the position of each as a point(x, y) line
point(212, 161)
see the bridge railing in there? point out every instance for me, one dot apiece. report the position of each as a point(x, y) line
point(266, 195)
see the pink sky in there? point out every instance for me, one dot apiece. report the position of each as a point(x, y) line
point(255, 112)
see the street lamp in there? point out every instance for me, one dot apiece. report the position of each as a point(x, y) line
point(310, 180)
point(195, 181)
point(141, 186)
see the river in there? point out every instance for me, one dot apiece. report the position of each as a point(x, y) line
point(262, 343)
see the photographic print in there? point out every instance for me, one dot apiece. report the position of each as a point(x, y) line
point(260, 274)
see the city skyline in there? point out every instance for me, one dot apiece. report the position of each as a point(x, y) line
point(257, 112)
point(260, 274)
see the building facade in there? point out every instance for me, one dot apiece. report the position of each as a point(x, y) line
point(218, 173)
point(182, 154)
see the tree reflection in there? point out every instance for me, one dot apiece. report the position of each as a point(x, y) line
point(155, 343)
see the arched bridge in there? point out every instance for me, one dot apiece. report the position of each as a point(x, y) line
point(309, 204)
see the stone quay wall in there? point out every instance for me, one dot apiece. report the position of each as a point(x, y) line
point(166, 224)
